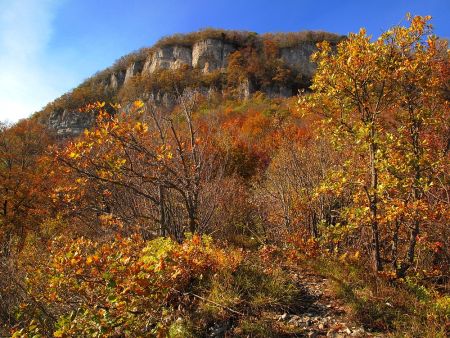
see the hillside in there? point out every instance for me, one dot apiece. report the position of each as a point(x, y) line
point(191, 190)
point(238, 62)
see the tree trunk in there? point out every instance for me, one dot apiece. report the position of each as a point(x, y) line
point(315, 232)
point(162, 212)
point(417, 196)
point(192, 221)
point(394, 248)
point(373, 203)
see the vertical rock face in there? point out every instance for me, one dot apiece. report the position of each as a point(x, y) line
point(245, 89)
point(204, 54)
point(298, 57)
point(170, 57)
point(70, 122)
point(211, 54)
point(207, 55)
point(117, 80)
point(133, 69)
point(278, 91)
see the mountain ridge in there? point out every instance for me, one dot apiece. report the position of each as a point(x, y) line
point(241, 62)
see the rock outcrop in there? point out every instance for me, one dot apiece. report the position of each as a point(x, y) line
point(116, 81)
point(211, 54)
point(170, 57)
point(132, 70)
point(68, 122)
point(207, 54)
point(298, 57)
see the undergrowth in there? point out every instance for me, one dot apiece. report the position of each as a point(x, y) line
point(398, 307)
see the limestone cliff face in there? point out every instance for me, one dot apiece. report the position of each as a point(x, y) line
point(206, 54)
point(298, 57)
point(116, 80)
point(68, 123)
point(211, 54)
point(132, 70)
point(170, 57)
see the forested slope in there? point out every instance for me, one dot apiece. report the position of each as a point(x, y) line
point(219, 214)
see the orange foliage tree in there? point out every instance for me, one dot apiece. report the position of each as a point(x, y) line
point(159, 161)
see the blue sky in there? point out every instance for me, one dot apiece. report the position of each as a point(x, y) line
point(48, 47)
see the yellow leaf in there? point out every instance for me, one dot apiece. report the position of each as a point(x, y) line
point(58, 334)
point(138, 104)
point(73, 155)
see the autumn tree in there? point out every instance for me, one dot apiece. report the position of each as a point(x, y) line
point(362, 90)
point(25, 182)
point(420, 74)
point(159, 159)
point(351, 92)
point(23, 173)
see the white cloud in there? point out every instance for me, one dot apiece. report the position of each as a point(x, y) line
point(27, 79)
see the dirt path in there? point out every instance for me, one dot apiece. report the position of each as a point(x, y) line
point(321, 313)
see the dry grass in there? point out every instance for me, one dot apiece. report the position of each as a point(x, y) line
point(400, 308)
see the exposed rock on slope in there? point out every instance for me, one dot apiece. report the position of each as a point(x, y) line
point(70, 122)
point(133, 69)
point(298, 57)
point(206, 52)
point(116, 80)
point(211, 54)
point(170, 57)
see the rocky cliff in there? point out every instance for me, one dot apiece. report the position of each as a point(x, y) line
point(204, 52)
point(169, 57)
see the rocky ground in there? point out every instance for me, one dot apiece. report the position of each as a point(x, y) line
point(319, 313)
point(322, 314)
